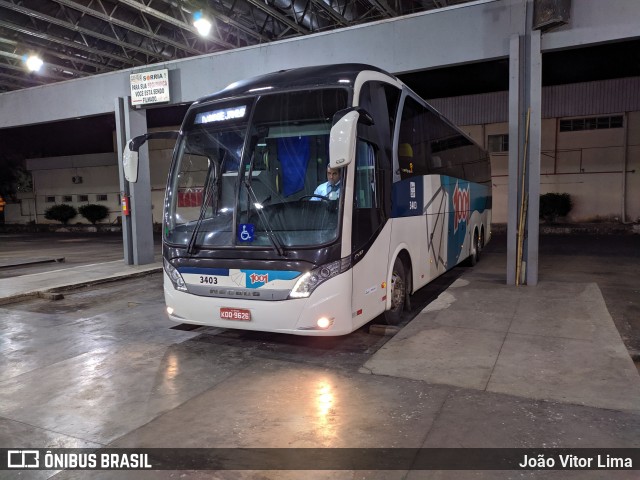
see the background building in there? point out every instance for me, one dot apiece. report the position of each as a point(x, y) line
point(590, 150)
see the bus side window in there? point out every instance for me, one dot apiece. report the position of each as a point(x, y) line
point(412, 144)
point(367, 214)
point(365, 189)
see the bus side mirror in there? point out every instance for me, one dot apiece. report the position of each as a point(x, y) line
point(130, 154)
point(130, 163)
point(342, 140)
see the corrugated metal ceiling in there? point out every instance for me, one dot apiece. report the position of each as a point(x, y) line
point(77, 38)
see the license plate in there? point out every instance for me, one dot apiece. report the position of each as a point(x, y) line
point(235, 314)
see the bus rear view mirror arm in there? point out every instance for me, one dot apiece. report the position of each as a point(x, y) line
point(364, 116)
point(130, 154)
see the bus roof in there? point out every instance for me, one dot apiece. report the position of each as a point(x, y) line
point(323, 75)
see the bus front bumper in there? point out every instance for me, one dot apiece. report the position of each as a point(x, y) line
point(331, 301)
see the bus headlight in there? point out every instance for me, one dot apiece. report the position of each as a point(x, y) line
point(174, 275)
point(308, 282)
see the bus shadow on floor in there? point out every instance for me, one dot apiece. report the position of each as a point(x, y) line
point(345, 351)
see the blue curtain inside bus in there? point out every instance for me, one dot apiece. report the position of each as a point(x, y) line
point(293, 153)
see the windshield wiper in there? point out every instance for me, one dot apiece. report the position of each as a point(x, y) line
point(208, 194)
point(273, 238)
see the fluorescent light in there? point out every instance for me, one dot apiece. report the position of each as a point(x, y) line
point(34, 63)
point(202, 24)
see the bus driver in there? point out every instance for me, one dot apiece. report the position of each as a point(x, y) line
point(331, 188)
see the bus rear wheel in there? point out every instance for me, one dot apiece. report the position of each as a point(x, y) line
point(398, 293)
point(476, 247)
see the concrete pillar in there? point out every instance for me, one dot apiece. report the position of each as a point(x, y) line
point(525, 123)
point(141, 216)
point(534, 97)
point(127, 241)
point(516, 53)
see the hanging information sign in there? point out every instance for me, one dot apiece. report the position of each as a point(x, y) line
point(149, 87)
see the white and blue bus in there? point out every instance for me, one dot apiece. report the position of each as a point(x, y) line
point(247, 244)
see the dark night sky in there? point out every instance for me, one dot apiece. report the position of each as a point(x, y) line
point(95, 134)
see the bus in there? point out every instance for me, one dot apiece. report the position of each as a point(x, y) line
point(248, 243)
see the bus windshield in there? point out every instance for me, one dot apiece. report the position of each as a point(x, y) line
point(246, 171)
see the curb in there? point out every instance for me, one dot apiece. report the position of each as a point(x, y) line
point(19, 297)
point(31, 262)
point(578, 229)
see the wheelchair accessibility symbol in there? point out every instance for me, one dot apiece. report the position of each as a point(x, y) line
point(245, 232)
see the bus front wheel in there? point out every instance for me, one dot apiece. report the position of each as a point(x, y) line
point(398, 293)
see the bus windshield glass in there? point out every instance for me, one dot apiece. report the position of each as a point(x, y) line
point(247, 171)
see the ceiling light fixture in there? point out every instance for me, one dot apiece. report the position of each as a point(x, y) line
point(33, 62)
point(202, 24)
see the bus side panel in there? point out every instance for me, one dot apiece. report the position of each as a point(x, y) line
point(465, 198)
point(434, 250)
point(481, 204)
point(448, 209)
point(369, 276)
point(409, 230)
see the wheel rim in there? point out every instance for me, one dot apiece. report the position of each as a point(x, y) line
point(397, 291)
point(476, 253)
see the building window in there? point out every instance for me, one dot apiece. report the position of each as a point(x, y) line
point(590, 123)
point(50, 199)
point(67, 198)
point(101, 197)
point(498, 143)
point(83, 198)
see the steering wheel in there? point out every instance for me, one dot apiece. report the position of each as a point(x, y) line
point(315, 195)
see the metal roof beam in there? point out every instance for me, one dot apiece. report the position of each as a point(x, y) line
point(224, 18)
point(337, 17)
point(8, 42)
point(278, 16)
point(383, 7)
point(46, 73)
point(79, 46)
point(127, 26)
point(74, 59)
point(23, 79)
point(234, 23)
point(13, 56)
point(75, 28)
point(13, 86)
point(172, 21)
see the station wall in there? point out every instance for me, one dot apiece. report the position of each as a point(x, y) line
point(581, 154)
point(53, 183)
point(588, 165)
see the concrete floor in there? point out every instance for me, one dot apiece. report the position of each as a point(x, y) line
point(484, 365)
point(17, 249)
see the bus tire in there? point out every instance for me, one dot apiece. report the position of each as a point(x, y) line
point(476, 247)
point(398, 293)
